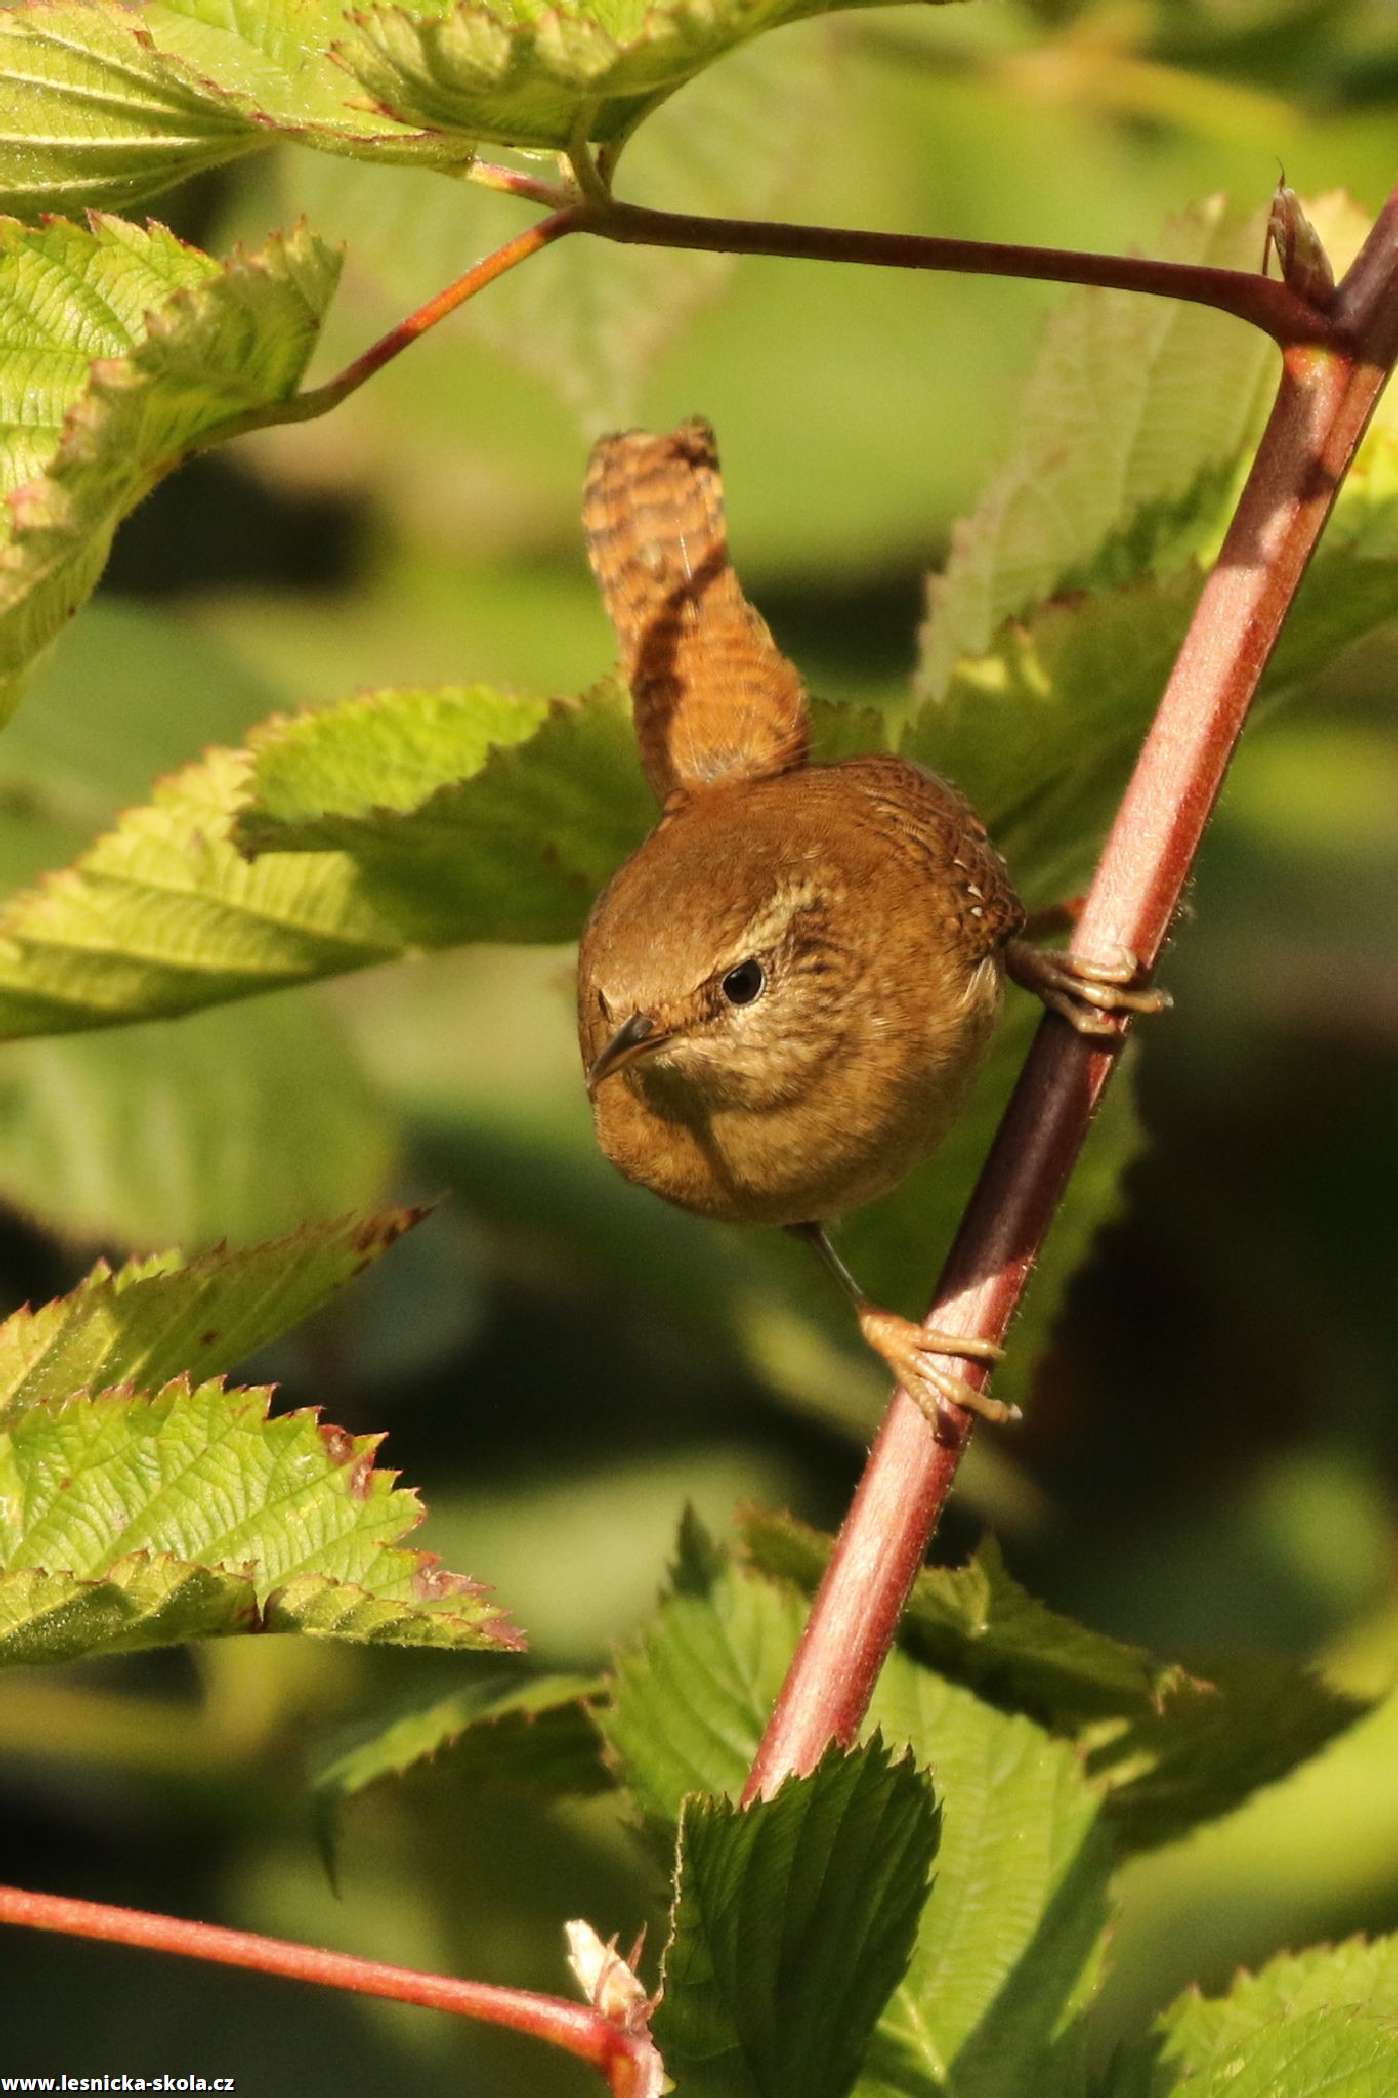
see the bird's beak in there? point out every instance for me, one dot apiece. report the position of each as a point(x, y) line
point(637, 1037)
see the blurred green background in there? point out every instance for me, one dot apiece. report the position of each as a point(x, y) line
point(1208, 1461)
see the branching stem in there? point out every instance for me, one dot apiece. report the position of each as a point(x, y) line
point(1268, 305)
point(589, 207)
point(304, 407)
point(626, 2059)
point(1323, 406)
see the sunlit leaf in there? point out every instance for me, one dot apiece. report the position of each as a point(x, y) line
point(162, 1491)
point(441, 825)
point(478, 71)
point(1342, 2053)
point(150, 1320)
point(123, 348)
point(694, 1690)
point(108, 106)
point(92, 115)
point(1199, 2040)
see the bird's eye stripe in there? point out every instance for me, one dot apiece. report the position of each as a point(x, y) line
point(743, 984)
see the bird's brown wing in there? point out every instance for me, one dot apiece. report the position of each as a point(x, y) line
point(715, 699)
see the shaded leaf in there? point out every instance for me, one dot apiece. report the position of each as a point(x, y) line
point(110, 708)
point(141, 1601)
point(539, 1737)
point(1165, 1748)
point(1069, 589)
point(198, 1479)
point(977, 1625)
point(1128, 443)
point(124, 348)
point(152, 1319)
point(592, 319)
point(792, 1922)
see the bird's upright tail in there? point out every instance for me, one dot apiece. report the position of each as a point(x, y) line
point(715, 700)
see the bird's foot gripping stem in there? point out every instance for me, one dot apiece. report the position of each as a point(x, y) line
point(911, 1353)
point(1089, 994)
point(911, 1350)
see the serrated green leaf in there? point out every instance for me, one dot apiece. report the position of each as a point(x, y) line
point(1010, 1946)
point(1198, 2038)
point(124, 348)
point(279, 57)
point(199, 1479)
point(792, 1922)
point(977, 1625)
point(539, 1737)
point(1322, 2054)
point(1042, 732)
point(152, 1319)
point(93, 116)
point(238, 1123)
point(693, 1692)
point(105, 106)
point(165, 915)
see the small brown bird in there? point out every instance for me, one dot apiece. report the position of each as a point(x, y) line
point(784, 995)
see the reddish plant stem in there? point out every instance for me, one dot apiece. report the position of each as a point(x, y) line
point(624, 2058)
point(304, 407)
point(1266, 303)
point(1321, 411)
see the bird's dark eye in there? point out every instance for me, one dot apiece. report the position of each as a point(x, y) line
point(743, 984)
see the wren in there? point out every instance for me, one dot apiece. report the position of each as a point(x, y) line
point(785, 994)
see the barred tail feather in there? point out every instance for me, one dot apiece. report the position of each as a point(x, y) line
point(714, 698)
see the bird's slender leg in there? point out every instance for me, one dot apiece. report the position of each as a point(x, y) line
point(1085, 993)
point(1053, 919)
point(910, 1350)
